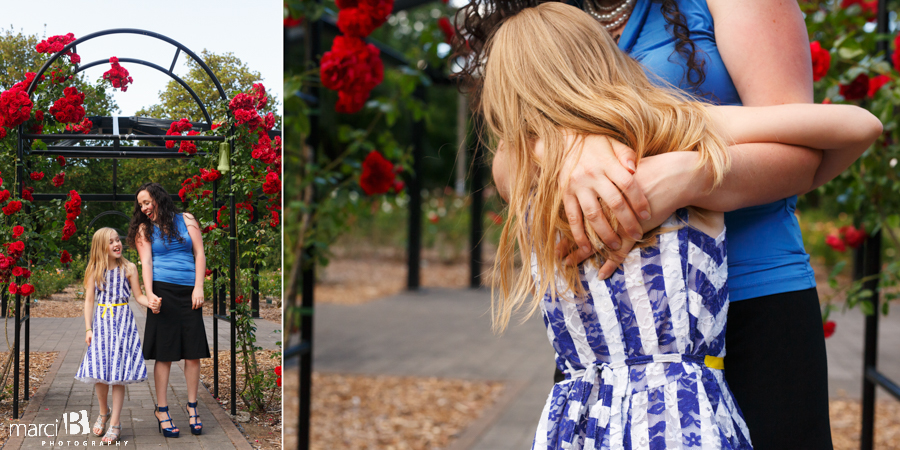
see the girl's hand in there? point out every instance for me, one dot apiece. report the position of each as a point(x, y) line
point(88, 336)
point(604, 172)
point(154, 302)
point(197, 298)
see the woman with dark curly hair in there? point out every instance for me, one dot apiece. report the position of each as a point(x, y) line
point(754, 53)
point(170, 246)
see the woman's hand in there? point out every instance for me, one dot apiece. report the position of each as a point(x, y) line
point(197, 297)
point(88, 336)
point(604, 171)
point(154, 302)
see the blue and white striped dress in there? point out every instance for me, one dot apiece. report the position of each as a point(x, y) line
point(634, 351)
point(114, 355)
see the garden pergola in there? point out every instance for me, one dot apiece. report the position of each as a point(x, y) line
point(116, 130)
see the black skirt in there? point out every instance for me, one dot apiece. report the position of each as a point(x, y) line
point(177, 332)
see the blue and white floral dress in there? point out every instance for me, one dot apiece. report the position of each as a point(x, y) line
point(114, 355)
point(642, 352)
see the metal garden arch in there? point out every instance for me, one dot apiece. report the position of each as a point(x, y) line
point(115, 152)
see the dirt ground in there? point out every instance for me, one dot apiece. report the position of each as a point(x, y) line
point(363, 404)
point(40, 363)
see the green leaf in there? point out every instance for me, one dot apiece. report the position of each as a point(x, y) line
point(867, 307)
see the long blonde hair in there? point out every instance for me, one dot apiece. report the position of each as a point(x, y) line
point(550, 70)
point(98, 263)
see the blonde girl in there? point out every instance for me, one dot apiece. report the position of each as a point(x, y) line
point(643, 350)
point(113, 356)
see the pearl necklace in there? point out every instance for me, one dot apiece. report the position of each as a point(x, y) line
point(616, 17)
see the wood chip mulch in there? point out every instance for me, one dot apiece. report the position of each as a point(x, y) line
point(340, 280)
point(40, 363)
point(846, 423)
point(387, 412)
point(69, 303)
point(263, 431)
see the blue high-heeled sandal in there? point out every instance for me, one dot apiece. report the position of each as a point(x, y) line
point(196, 428)
point(167, 432)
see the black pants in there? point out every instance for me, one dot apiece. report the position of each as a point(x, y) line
point(775, 365)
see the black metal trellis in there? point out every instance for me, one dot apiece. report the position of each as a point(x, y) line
point(66, 148)
point(867, 262)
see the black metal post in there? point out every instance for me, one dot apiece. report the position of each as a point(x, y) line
point(307, 277)
point(871, 266)
point(476, 228)
point(414, 188)
point(4, 304)
point(20, 186)
point(216, 301)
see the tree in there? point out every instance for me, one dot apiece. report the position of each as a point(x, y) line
point(233, 74)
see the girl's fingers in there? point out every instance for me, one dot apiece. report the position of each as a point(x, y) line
point(613, 198)
point(610, 266)
point(576, 222)
point(579, 255)
point(593, 212)
point(627, 184)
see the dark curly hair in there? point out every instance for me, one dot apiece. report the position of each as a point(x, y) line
point(165, 216)
point(477, 21)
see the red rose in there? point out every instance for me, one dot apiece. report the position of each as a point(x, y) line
point(351, 102)
point(351, 64)
point(821, 60)
point(117, 75)
point(896, 56)
point(26, 290)
point(274, 220)
point(208, 272)
point(835, 242)
point(13, 288)
point(18, 271)
point(278, 370)
point(15, 107)
point(447, 28)
point(239, 299)
point(4, 195)
point(83, 128)
point(2, 132)
point(15, 249)
point(857, 89)
point(278, 381)
point(398, 186)
point(828, 328)
point(65, 257)
point(852, 236)
point(61, 160)
point(68, 230)
point(377, 174)
point(12, 207)
point(360, 18)
point(875, 83)
point(210, 175)
point(39, 116)
point(272, 185)
point(26, 194)
point(18, 230)
point(59, 179)
point(70, 108)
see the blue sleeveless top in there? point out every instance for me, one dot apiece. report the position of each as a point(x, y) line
point(173, 261)
point(765, 248)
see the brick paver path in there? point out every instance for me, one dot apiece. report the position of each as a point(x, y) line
point(60, 393)
point(446, 333)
